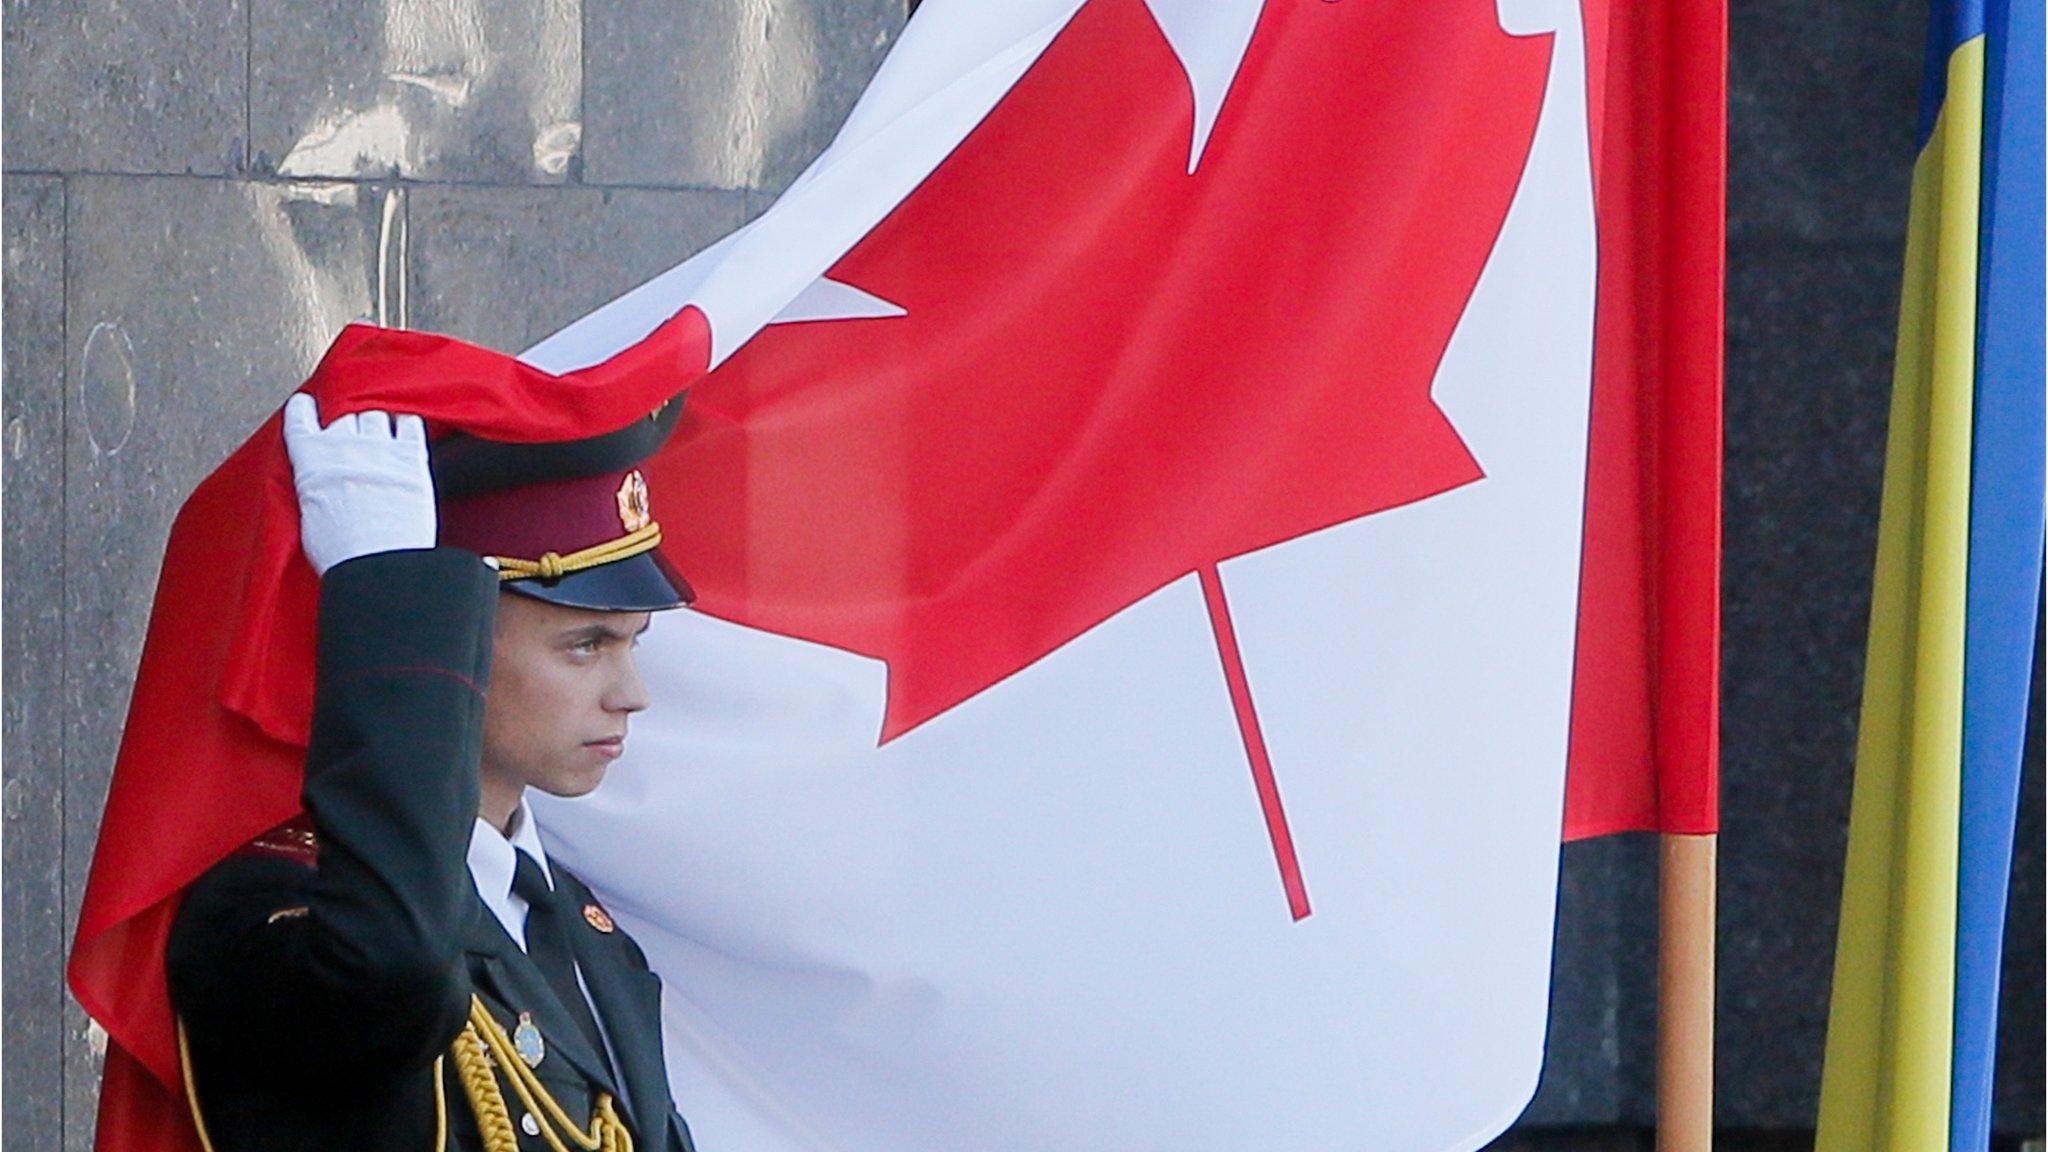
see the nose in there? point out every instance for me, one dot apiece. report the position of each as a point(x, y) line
point(628, 692)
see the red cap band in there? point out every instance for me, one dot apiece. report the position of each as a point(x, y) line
point(559, 516)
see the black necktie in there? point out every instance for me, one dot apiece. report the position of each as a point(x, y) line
point(547, 945)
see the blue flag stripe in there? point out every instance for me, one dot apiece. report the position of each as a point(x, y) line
point(1949, 24)
point(2005, 542)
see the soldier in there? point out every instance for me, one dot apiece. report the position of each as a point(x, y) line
point(403, 967)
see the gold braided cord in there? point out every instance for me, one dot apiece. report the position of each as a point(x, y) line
point(532, 1093)
point(473, 1068)
point(481, 1044)
point(484, 1035)
point(191, 1089)
point(440, 1107)
point(554, 566)
point(206, 1138)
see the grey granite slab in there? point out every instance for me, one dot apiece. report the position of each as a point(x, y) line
point(426, 89)
point(505, 267)
point(126, 86)
point(1603, 988)
point(31, 723)
point(1822, 105)
point(192, 309)
point(724, 93)
point(1809, 382)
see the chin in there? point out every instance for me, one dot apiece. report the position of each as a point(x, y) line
point(570, 785)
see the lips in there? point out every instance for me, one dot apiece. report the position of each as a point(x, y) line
point(609, 746)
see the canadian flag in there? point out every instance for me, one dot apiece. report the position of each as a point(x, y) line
point(1171, 488)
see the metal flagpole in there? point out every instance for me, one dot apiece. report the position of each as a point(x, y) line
point(1685, 994)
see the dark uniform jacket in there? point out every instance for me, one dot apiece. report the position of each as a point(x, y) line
point(324, 974)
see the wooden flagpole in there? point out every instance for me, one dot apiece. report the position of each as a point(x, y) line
point(1685, 994)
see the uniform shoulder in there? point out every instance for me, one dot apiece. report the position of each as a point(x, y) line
point(278, 864)
point(265, 882)
point(292, 840)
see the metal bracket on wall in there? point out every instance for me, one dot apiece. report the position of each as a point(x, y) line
point(394, 264)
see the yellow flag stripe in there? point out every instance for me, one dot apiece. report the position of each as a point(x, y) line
point(1886, 1080)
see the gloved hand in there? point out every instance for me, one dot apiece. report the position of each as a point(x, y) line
point(363, 483)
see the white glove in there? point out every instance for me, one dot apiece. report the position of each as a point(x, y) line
point(363, 485)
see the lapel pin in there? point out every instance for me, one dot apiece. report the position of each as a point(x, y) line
point(598, 917)
point(527, 1042)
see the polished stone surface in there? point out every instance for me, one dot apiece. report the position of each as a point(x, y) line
point(202, 305)
point(1808, 385)
point(1821, 117)
point(471, 91)
point(724, 93)
point(1599, 1060)
point(32, 739)
point(126, 85)
point(557, 252)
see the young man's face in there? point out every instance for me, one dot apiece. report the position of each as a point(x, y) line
point(563, 683)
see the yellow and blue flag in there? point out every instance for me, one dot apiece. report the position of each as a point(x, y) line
point(1913, 1015)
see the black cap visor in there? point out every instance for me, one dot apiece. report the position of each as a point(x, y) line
point(643, 583)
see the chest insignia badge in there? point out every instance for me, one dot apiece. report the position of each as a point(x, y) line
point(599, 918)
point(527, 1042)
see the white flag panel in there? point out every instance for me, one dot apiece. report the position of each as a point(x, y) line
point(1051, 918)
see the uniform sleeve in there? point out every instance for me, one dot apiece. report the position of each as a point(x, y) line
point(353, 966)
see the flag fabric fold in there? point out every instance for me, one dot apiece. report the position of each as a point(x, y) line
point(1645, 752)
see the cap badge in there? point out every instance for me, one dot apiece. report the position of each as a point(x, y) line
point(598, 917)
point(527, 1042)
point(633, 511)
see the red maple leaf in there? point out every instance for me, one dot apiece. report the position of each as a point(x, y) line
point(1113, 373)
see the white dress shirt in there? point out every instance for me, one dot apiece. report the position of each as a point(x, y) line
point(491, 865)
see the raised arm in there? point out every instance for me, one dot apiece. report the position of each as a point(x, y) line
point(347, 959)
